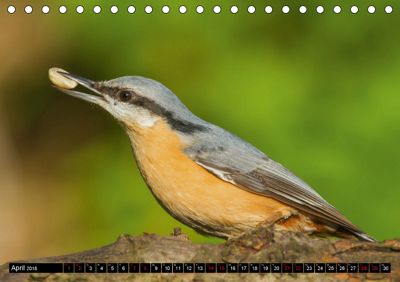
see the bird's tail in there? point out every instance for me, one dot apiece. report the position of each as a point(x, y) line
point(351, 233)
point(364, 237)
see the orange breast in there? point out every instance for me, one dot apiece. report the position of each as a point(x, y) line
point(192, 194)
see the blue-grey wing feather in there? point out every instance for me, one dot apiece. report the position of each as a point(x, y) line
point(236, 161)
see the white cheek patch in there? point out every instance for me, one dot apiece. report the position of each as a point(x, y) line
point(131, 114)
point(144, 118)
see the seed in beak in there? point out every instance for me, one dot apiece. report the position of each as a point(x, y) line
point(59, 80)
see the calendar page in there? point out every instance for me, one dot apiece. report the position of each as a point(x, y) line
point(186, 125)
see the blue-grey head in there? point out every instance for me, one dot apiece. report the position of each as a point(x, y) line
point(133, 100)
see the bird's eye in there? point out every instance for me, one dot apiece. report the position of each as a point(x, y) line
point(124, 96)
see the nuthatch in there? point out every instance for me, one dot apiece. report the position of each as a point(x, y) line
point(204, 176)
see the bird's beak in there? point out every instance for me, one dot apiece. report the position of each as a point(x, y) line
point(95, 97)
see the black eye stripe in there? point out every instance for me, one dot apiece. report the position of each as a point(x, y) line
point(114, 91)
point(173, 121)
point(152, 106)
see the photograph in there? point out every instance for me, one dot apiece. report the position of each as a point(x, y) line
point(199, 141)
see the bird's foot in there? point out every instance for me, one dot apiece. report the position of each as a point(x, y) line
point(177, 232)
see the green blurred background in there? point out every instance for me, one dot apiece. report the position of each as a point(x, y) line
point(318, 93)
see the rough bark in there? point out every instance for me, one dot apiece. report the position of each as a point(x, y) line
point(261, 245)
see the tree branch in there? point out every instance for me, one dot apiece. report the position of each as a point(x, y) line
point(258, 246)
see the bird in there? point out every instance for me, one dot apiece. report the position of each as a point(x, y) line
point(204, 176)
